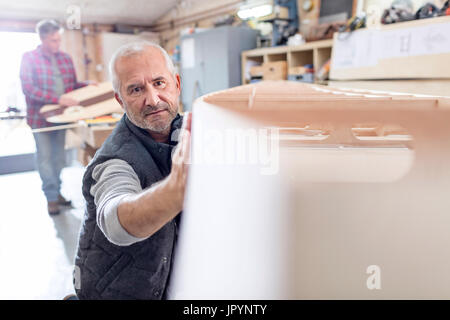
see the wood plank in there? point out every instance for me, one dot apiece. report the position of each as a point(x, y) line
point(73, 114)
point(86, 96)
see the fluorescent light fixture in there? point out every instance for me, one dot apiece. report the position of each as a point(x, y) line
point(255, 12)
point(253, 9)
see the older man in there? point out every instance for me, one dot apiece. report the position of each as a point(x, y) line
point(133, 190)
point(46, 74)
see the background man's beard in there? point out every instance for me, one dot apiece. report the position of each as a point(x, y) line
point(157, 126)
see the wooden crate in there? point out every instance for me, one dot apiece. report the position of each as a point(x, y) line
point(276, 70)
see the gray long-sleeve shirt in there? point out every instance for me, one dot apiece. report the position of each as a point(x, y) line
point(115, 179)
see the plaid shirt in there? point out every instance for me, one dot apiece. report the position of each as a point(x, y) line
point(37, 82)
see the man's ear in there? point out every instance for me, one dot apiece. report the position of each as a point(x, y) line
point(178, 81)
point(118, 100)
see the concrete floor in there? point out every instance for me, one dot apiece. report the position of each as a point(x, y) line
point(36, 250)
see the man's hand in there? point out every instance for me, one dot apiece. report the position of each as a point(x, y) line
point(66, 101)
point(180, 163)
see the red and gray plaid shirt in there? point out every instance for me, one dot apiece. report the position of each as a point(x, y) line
point(36, 75)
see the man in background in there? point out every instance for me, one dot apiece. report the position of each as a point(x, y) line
point(46, 74)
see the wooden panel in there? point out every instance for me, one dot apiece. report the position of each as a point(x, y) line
point(311, 229)
point(73, 114)
point(92, 93)
point(85, 96)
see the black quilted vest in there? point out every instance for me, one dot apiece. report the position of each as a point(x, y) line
point(140, 271)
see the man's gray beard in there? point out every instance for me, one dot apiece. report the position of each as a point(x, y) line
point(140, 122)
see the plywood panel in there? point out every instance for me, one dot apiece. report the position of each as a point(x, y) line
point(73, 114)
point(306, 221)
point(85, 96)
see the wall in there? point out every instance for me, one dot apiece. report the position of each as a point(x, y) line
point(81, 46)
point(109, 42)
point(192, 14)
point(97, 46)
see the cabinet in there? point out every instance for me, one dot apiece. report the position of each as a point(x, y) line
point(210, 60)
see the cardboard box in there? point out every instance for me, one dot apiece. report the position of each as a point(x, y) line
point(89, 139)
point(276, 70)
point(257, 71)
point(96, 135)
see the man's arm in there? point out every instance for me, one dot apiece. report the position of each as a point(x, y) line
point(114, 179)
point(144, 214)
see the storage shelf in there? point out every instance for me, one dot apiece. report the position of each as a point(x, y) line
point(316, 53)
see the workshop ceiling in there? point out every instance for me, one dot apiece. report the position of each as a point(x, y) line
point(134, 12)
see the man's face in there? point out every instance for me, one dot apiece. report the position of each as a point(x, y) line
point(148, 90)
point(51, 42)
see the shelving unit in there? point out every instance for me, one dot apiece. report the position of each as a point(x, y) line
point(316, 53)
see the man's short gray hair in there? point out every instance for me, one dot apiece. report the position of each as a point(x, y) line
point(46, 27)
point(134, 48)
